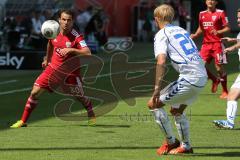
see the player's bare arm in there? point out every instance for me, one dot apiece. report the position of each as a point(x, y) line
point(84, 51)
point(232, 48)
point(160, 72)
point(222, 31)
point(229, 39)
point(197, 33)
point(48, 56)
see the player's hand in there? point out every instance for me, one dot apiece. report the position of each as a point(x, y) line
point(192, 36)
point(154, 100)
point(214, 32)
point(227, 50)
point(44, 64)
point(65, 51)
point(228, 39)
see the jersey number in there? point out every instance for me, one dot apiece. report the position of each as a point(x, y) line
point(186, 41)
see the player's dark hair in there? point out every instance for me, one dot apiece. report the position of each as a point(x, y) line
point(238, 10)
point(67, 11)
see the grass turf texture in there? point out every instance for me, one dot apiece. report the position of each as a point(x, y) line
point(127, 132)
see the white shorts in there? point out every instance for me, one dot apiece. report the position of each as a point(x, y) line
point(182, 92)
point(236, 83)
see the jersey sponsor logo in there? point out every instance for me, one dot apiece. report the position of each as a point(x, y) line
point(68, 44)
point(207, 24)
point(11, 61)
point(83, 43)
point(58, 52)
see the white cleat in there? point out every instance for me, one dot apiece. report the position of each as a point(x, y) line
point(223, 124)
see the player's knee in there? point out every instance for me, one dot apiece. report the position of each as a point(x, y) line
point(176, 111)
point(35, 94)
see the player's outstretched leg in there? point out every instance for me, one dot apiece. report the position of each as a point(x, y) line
point(29, 107)
point(223, 80)
point(215, 81)
point(88, 106)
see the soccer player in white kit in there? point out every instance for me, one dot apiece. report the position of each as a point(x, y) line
point(174, 43)
point(234, 93)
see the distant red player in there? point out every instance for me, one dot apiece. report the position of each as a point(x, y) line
point(62, 68)
point(213, 23)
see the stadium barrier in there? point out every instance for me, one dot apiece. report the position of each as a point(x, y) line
point(21, 59)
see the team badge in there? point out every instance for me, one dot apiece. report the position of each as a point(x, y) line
point(68, 44)
point(214, 18)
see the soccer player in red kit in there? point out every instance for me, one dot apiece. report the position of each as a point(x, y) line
point(61, 64)
point(213, 23)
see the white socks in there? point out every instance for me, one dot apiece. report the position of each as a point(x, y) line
point(164, 123)
point(231, 111)
point(182, 125)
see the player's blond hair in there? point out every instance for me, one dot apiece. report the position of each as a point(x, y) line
point(164, 13)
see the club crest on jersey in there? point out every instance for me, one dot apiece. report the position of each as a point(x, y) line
point(214, 18)
point(68, 44)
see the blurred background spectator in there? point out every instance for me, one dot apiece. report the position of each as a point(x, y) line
point(83, 18)
point(96, 27)
point(100, 20)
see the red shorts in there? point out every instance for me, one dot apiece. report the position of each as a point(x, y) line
point(52, 80)
point(214, 51)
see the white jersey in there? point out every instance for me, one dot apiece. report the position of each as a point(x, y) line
point(175, 42)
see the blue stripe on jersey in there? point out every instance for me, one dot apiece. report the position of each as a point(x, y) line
point(175, 91)
point(176, 51)
point(178, 88)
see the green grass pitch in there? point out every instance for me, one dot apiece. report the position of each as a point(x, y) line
point(126, 132)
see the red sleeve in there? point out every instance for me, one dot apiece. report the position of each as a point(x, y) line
point(81, 43)
point(224, 19)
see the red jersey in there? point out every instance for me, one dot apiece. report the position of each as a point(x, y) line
point(69, 63)
point(212, 20)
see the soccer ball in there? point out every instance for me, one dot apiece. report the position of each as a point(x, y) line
point(50, 29)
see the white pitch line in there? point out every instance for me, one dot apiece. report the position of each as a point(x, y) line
point(27, 89)
point(16, 90)
point(10, 81)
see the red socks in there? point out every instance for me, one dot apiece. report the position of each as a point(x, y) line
point(29, 107)
point(223, 80)
point(211, 76)
point(89, 109)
